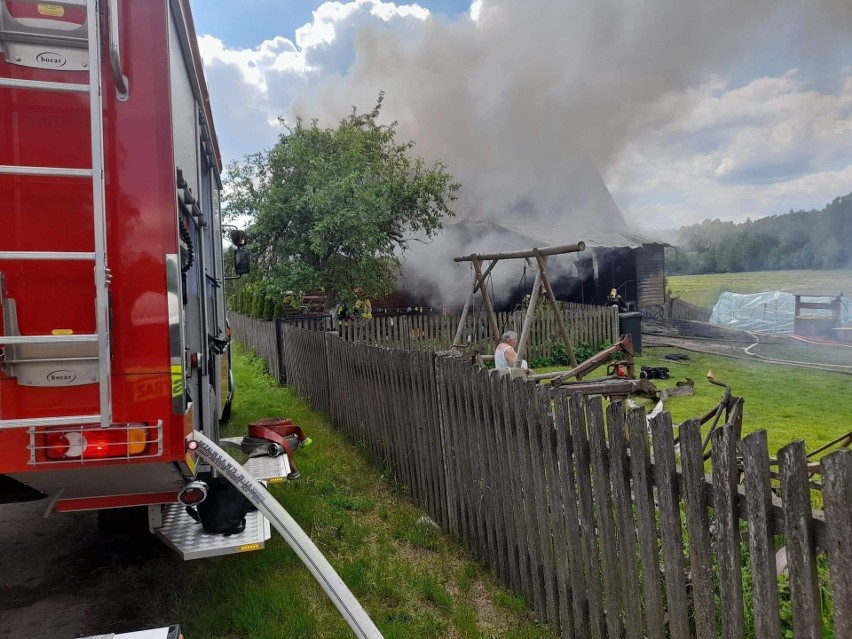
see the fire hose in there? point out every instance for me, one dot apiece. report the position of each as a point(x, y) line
point(308, 553)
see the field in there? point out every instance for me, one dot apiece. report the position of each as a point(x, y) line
point(789, 403)
point(704, 290)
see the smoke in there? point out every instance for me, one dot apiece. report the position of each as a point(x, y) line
point(523, 100)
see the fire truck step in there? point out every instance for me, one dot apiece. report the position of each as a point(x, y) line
point(186, 537)
point(43, 171)
point(37, 85)
point(273, 470)
point(47, 255)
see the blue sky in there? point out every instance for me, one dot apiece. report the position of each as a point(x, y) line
point(689, 110)
point(260, 20)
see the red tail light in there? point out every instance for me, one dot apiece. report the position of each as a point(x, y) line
point(93, 442)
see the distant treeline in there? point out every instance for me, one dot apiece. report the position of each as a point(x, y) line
point(796, 240)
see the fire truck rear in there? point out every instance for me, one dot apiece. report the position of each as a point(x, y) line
point(112, 337)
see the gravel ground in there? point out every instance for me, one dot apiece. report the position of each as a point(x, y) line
point(59, 579)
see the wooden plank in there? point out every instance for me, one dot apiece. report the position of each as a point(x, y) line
point(472, 467)
point(837, 498)
point(462, 465)
point(572, 544)
point(431, 438)
point(485, 454)
point(440, 444)
point(670, 524)
point(804, 586)
point(588, 531)
point(698, 530)
point(640, 472)
point(444, 383)
point(727, 532)
point(496, 494)
point(562, 569)
point(626, 526)
point(540, 421)
point(521, 403)
point(606, 526)
point(518, 555)
point(764, 582)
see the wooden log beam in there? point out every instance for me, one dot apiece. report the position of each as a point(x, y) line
point(486, 300)
point(460, 330)
point(542, 262)
point(528, 319)
point(547, 250)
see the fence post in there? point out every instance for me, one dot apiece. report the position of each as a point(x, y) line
point(281, 373)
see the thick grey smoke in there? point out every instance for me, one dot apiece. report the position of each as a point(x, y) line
point(520, 102)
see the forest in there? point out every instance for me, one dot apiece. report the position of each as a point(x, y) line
point(818, 239)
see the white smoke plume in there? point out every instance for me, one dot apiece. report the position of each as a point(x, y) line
point(522, 96)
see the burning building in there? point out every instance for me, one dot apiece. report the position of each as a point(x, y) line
point(615, 256)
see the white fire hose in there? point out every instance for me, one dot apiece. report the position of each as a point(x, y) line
point(338, 592)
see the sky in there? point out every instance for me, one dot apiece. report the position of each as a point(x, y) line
point(689, 111)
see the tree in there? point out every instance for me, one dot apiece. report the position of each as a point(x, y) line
point(334, 209)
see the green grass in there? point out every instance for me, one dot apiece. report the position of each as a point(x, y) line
point(412, 579)
point(790, 403)
point(704, 290)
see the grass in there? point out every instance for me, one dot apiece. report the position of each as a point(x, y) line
point(790, 403)
point(412, 579)
point(704, 290)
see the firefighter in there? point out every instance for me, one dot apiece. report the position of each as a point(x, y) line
point(363, 308)
point(615, 299)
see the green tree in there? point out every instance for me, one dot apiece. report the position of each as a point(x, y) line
point(334, 209)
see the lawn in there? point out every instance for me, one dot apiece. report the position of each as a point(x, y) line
point(412, 579)
point(790, 403)
point(704, 290)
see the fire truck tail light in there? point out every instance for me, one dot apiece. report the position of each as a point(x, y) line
point(137, 440)
point(93, 442)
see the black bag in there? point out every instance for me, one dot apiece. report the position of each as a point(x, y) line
point(224, 510)
point(654, 372)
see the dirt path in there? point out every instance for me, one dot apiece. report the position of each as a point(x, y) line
point(59, 580)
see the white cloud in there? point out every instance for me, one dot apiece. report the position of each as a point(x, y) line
point(760, 149)
point(651, 97)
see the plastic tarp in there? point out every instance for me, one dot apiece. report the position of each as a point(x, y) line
point(771, 312)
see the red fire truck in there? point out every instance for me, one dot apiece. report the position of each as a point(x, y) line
point(113, 344)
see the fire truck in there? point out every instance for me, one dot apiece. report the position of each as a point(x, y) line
point(113, 337)
point(114, 358)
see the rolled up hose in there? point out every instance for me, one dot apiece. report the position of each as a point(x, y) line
point(338, 592)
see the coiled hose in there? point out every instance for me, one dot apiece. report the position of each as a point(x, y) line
point(338, 592)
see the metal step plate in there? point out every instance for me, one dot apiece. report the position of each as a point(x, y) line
point(186, 537)
point(273, 470)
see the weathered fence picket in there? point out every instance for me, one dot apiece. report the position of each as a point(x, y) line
point(764, 582)
point(583, 511)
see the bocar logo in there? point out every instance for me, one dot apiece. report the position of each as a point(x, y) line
point(51, 59)
point(61, 376)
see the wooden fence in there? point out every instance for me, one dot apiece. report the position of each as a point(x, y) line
point(592, 325)
point(593, 515)
point(261, 336)
point(680, 310)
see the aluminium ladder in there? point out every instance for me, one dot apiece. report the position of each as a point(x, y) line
point(96, 174)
